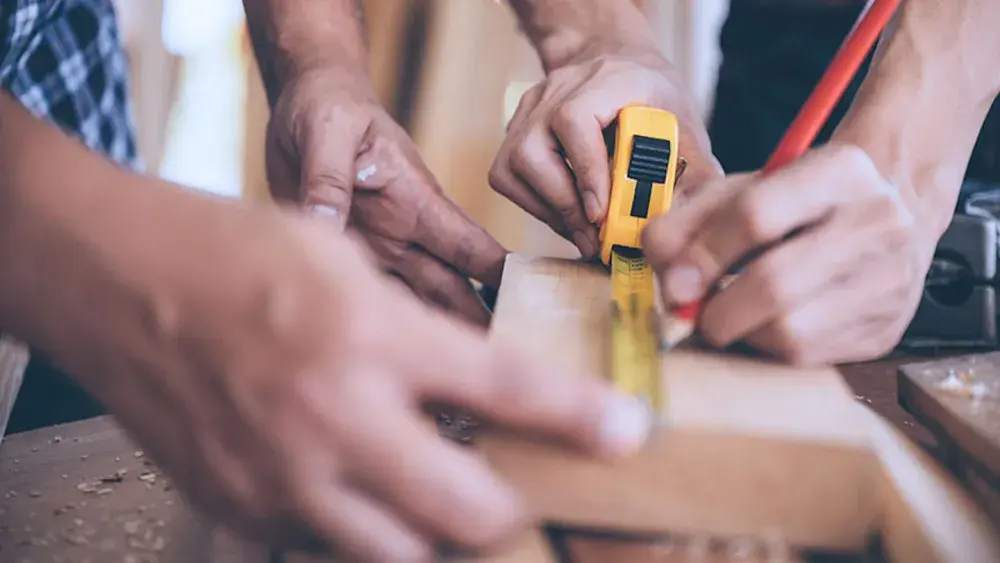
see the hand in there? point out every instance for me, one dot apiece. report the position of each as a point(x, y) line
point(842, 264)
point(566, 114)
point(295, 417)
point(328, 136)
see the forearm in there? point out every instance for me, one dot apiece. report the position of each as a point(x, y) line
point(290, 36)
point(921, 107)
point(95, 262)
point(560, 29)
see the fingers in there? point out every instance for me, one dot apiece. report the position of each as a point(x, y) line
point(513, 188)
point(328, 151)
point(802, 296)
point(446, 493)
point(762, 213)
point(842, 323)
point(445, 231)
point(439, 284)
point(357, 526)
point(581, 134)
point(534, 158)
point(411, 208)
point(459, 367)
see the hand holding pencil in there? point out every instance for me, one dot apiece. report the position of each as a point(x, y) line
point(829, 264)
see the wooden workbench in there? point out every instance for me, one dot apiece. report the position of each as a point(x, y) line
point(53, 506)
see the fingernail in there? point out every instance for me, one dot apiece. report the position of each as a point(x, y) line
point(584, 242)
point(683, 284)
point(333, 214)
point(626, 425)
point(591, 206)
point(366, 172)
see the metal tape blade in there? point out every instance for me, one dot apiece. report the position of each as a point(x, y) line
point(635, 343)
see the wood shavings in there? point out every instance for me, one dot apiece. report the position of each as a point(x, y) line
point(87, 486)
point(148, 477)
point(117, 477)
point(963, 384)
point(105, 491)
point(76, 539)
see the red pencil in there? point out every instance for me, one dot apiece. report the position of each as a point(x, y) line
point(814, 113)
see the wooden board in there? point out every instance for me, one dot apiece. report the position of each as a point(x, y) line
point(970, 422)
point(45, 516)
point(736, 451)
point(40, 462)
point(967, 427)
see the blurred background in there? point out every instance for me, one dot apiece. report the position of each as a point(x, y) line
point(451, 71)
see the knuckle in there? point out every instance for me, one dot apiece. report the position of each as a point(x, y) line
point(497, 179)
point(790, 340)
point(565, 117)
point(851, 156)
point(522, 155)
point(754, 216)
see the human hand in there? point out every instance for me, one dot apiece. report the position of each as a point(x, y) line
point(841, 260)
point(329, 136)
point(563, 119)
point(286, 398)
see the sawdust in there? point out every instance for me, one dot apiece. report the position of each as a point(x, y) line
point(964, 384)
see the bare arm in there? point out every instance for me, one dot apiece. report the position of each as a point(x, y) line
point(292, 35)
point(921, 107)
point(560, 29)
point(93, 257)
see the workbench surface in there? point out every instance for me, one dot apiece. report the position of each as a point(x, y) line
point(55, 507)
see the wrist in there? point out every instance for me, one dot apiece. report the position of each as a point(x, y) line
point(919, 127)
point(563, 30)
point(291, 38)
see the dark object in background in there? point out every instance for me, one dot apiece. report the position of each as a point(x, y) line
point(773, 54)
point(48, 396)
point(959, 305)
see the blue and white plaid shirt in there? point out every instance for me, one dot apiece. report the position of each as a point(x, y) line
point(64, 61)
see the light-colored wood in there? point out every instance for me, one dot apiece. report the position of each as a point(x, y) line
point(13, 361)
point(154, 73)
point(971, 422)
point(746, 448)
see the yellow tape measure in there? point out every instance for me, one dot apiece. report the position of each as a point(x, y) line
point(644, 169)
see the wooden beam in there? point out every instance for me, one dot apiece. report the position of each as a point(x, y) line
point(746, 448)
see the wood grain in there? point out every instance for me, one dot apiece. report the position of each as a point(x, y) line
point(971, 423)
point(732, 426)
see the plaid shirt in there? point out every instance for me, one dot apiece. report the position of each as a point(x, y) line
point(63, 60)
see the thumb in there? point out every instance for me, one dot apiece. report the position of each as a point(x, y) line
point(328, 153)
